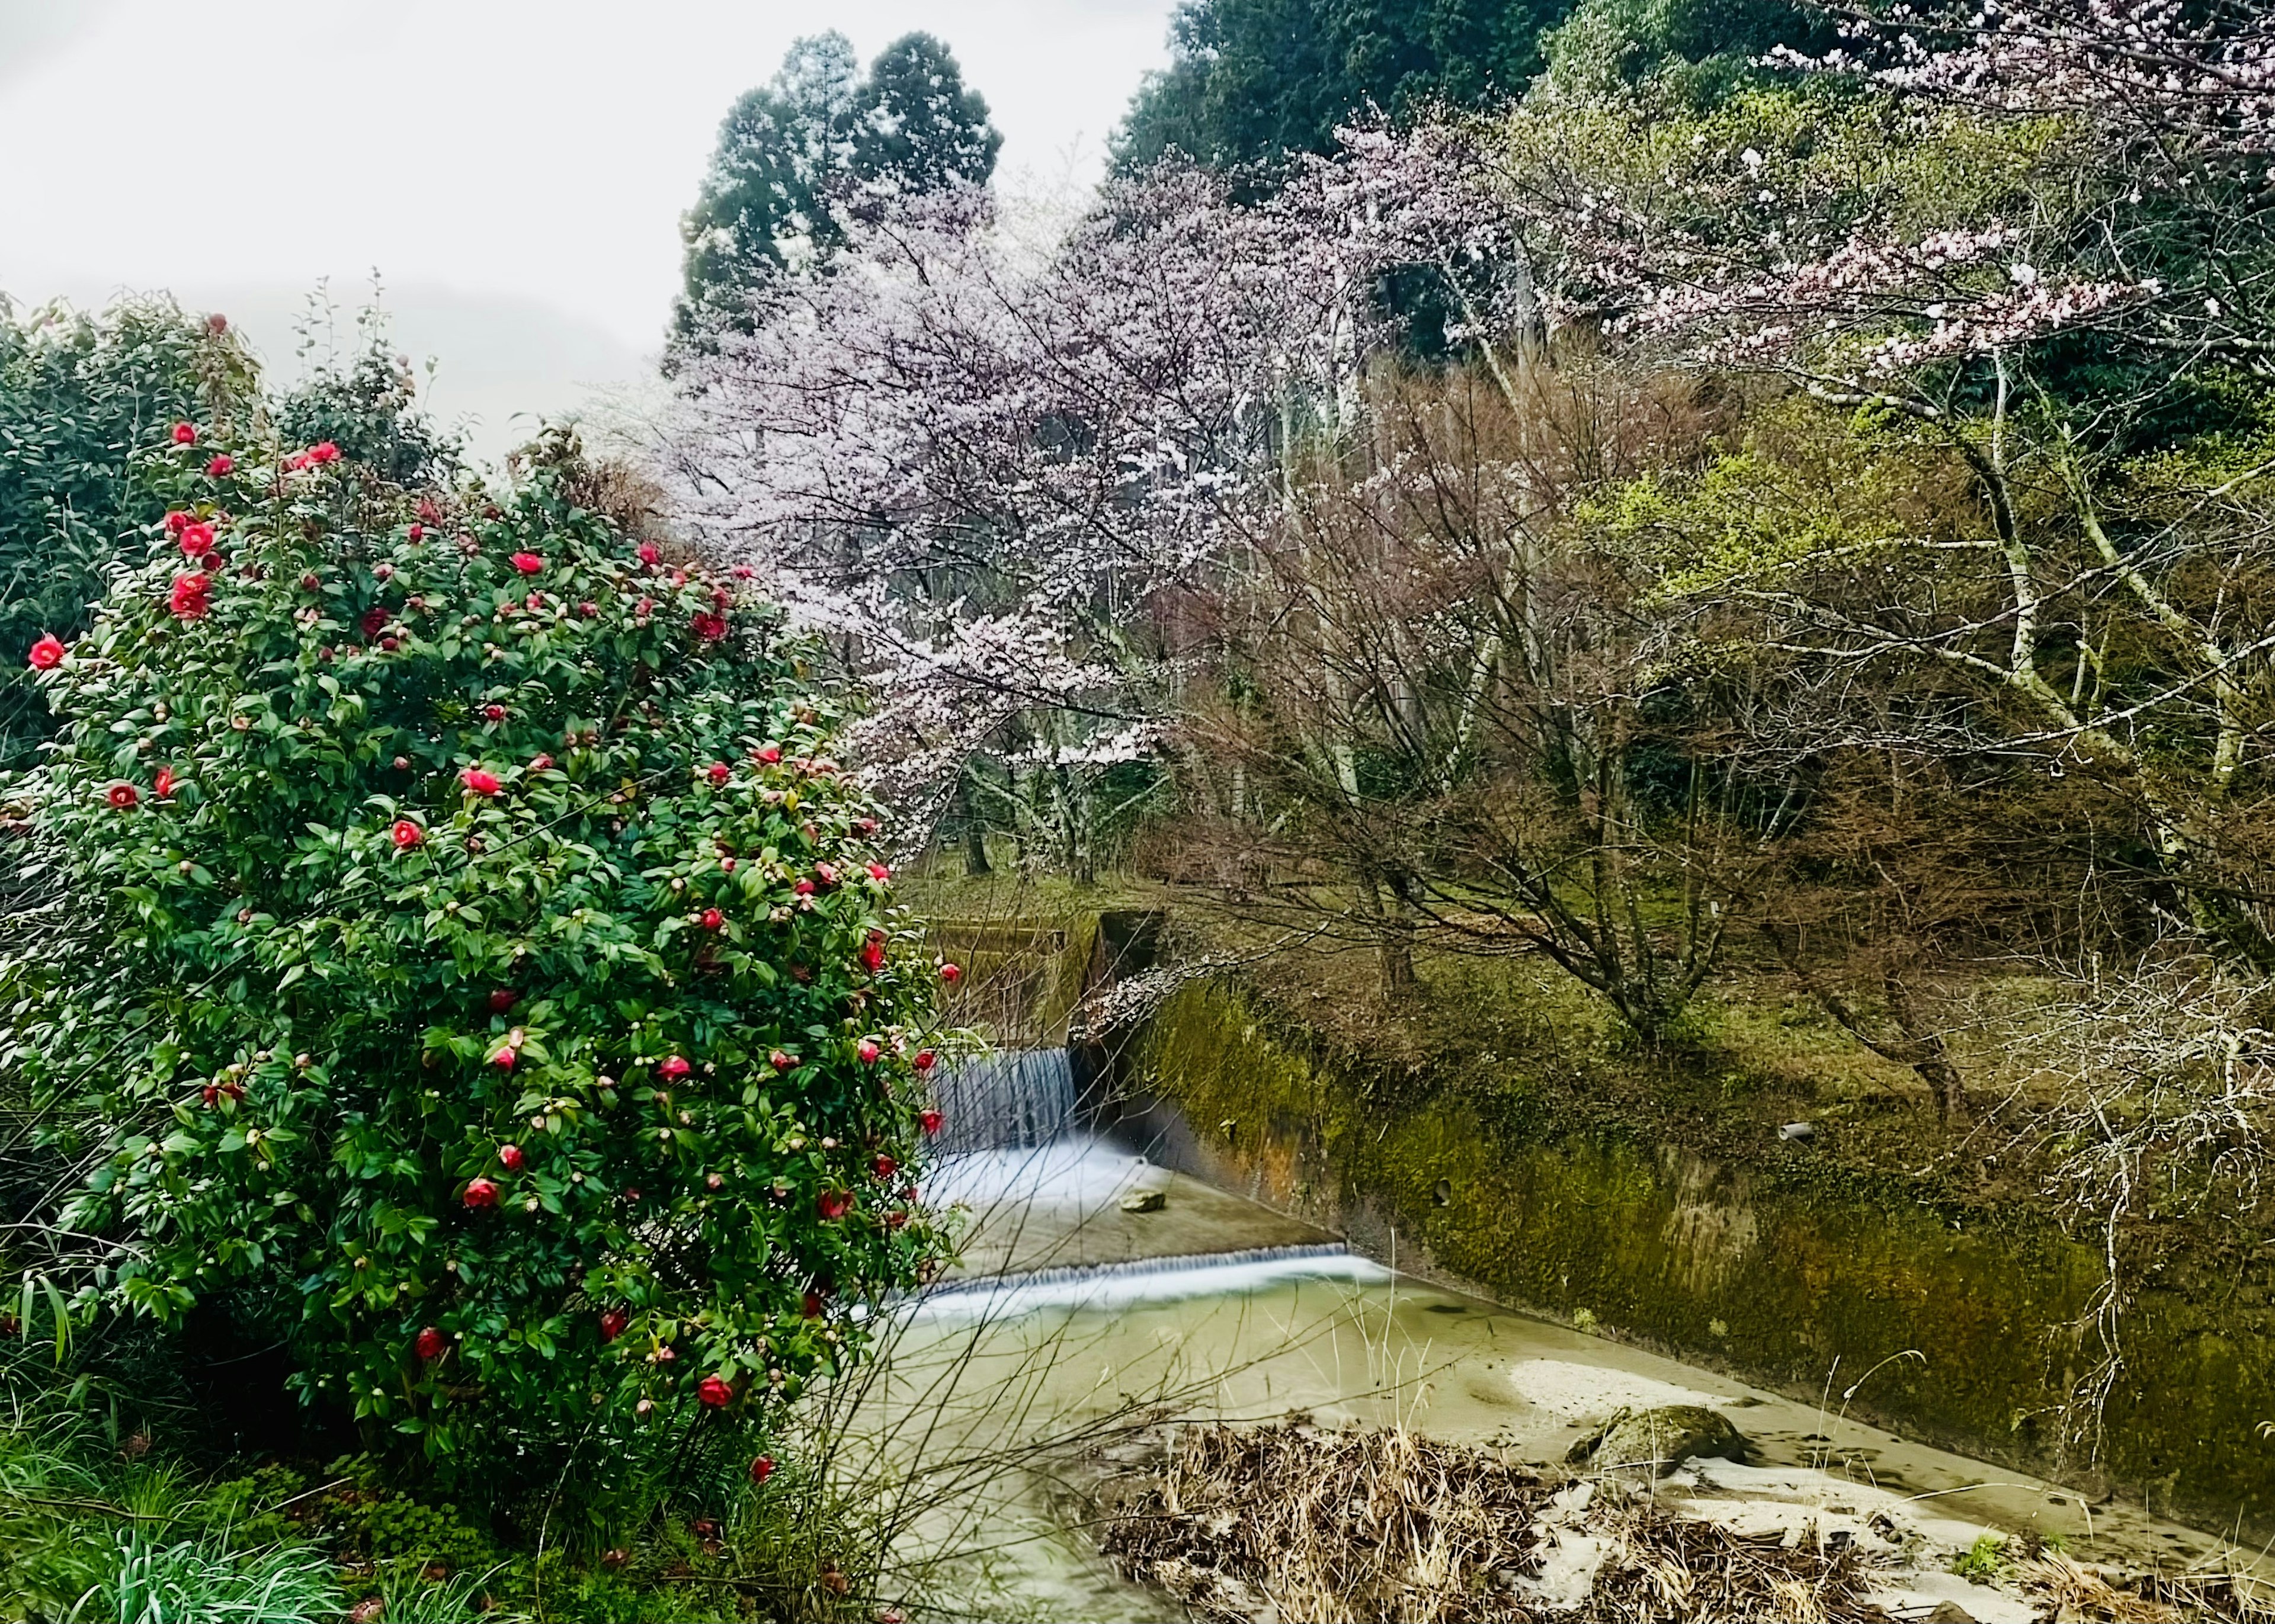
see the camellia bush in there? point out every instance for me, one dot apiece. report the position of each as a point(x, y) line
point(479, 977)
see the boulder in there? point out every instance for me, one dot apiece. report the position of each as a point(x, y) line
point(1656, 1441)
point(1145, 1201)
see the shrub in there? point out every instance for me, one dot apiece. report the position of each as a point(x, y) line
point(479, 978)
point(78, 392)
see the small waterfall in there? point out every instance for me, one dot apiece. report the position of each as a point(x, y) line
point(1016, 1100)
point(1139, 1268)
point(1145, 1281)
point(1014, 1150)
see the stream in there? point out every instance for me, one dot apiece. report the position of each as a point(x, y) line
point(1071, 1320)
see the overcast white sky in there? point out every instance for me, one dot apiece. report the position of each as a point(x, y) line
point(514, 169)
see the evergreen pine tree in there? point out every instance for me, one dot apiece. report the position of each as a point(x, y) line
point(796, 150)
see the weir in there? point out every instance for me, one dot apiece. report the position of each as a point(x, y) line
point(1013, 1099)
point(1047, 1199)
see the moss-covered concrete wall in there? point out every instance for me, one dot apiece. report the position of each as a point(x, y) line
point(1774, 1271)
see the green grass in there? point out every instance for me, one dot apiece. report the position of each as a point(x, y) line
point(97, 1528)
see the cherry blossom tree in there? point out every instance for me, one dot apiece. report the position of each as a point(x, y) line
point(988, 468)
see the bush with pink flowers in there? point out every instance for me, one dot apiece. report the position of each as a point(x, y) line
point(480, 978)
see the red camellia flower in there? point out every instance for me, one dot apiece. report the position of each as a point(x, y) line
point(885, 1166)
point(613, 1321)
point(122, 796)
point(197, 539)
point(373, 621)
point(46, 653)
point(674, 1066)
point(478, 781)
point(834, 1205)
point(868, 1051)
point(769, 753)
point(713, 919)
point(648, 554)
point(503, 999)
point(762, 1469)
point(589, 609)
point(880, 872)
point(924, 1059)
point(430, 1344)
point(221, 465)
point(813, 1305)
point(714, 1392)
point(176, 521)
point(873, 952)
point(781, 1061)
point(825, 873)
point(505, 1059)
point(718, 771)
point(509, 1158)
point(540, 764)
point(325, 452)
point(482, 1192)
point(164, 784)
point(709, 627)
point(407, 835)
point(647, 607)
point(185, 434)
point(951, 973)
point(496, 712)
point(804, 887)
point(528, 563)
point(930, 1121)
point(188, 598)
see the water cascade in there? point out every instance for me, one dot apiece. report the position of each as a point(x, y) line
point(1049, 1225)
point(1014, 1100)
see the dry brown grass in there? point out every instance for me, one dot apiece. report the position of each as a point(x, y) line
point(1295, 1522)
point(1336, 1527)
point(2079, 1593)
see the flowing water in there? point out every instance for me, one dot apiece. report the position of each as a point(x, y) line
point(1073, 1320)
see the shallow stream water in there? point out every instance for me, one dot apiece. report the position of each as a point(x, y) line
point(1072, 1321)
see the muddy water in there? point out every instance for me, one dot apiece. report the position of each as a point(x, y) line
point(1073, 1320)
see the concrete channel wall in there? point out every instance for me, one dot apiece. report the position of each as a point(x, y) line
point(1965, 1331)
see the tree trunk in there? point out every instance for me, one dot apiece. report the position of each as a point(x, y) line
point(1917, 1046)
point(975, 832)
